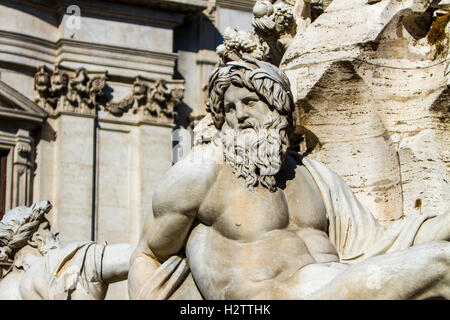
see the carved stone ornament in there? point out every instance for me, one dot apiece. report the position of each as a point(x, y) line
point(246, 189)
point(236, 44)
point(57, 91)
point(275, 23)
point(152, 100)
point(82, 93)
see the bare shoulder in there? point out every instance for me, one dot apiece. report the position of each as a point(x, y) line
point(187, 182)
point(306, 207)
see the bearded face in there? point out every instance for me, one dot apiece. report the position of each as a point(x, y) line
point(254, 137)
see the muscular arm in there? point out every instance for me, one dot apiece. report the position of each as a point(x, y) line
point(116, 262)
point(175, 204)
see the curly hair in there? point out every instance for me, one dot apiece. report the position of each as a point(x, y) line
point(264, 157)
point(17, 227)
point(267, 81)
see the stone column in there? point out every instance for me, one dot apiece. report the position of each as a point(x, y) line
point(73, 176)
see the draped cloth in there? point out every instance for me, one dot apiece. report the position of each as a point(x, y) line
point(353, 229)
point(74, 272)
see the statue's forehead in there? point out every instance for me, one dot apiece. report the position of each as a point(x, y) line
point(234, 92)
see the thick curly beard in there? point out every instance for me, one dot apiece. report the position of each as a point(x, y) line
point(256, 154)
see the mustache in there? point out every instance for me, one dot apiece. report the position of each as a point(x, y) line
point(248, 123)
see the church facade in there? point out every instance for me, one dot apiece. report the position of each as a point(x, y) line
point(91, 95)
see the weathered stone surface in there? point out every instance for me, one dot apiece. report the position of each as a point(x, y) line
point(372, 92)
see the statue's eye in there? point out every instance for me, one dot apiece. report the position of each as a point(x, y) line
point(229, 107)
point(249, 101)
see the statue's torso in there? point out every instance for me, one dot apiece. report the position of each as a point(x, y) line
point(249, 238)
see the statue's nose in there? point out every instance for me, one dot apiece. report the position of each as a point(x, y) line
point(241, 114)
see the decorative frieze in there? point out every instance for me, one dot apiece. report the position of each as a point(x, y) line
point(80, 92)
point(152, 100)
point(58, 91)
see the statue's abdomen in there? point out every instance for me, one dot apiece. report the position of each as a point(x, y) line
point(229, 269)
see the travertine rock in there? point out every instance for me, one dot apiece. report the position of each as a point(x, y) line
point(372, 93)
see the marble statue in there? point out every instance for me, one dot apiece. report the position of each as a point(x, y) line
point(244, 216)
point(34, 266)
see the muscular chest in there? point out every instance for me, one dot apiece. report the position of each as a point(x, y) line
point(239, 213)
point(242, 214)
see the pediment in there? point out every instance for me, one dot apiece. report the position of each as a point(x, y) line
point(16, 106)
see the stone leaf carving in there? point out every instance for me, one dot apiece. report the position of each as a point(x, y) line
point(154, 101)
point(275, 24)
point(132, 101)
point(236, 44)
point(82, 93)
point(57, 91)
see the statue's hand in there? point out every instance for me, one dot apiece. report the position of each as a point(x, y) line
point(166, 279)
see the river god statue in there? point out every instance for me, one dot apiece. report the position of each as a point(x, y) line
point(34, 266)
point(245, 217)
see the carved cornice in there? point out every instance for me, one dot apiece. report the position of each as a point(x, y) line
point(246, 5)
point(70, 53)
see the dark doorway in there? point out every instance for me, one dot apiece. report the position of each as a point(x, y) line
point(3, 171)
